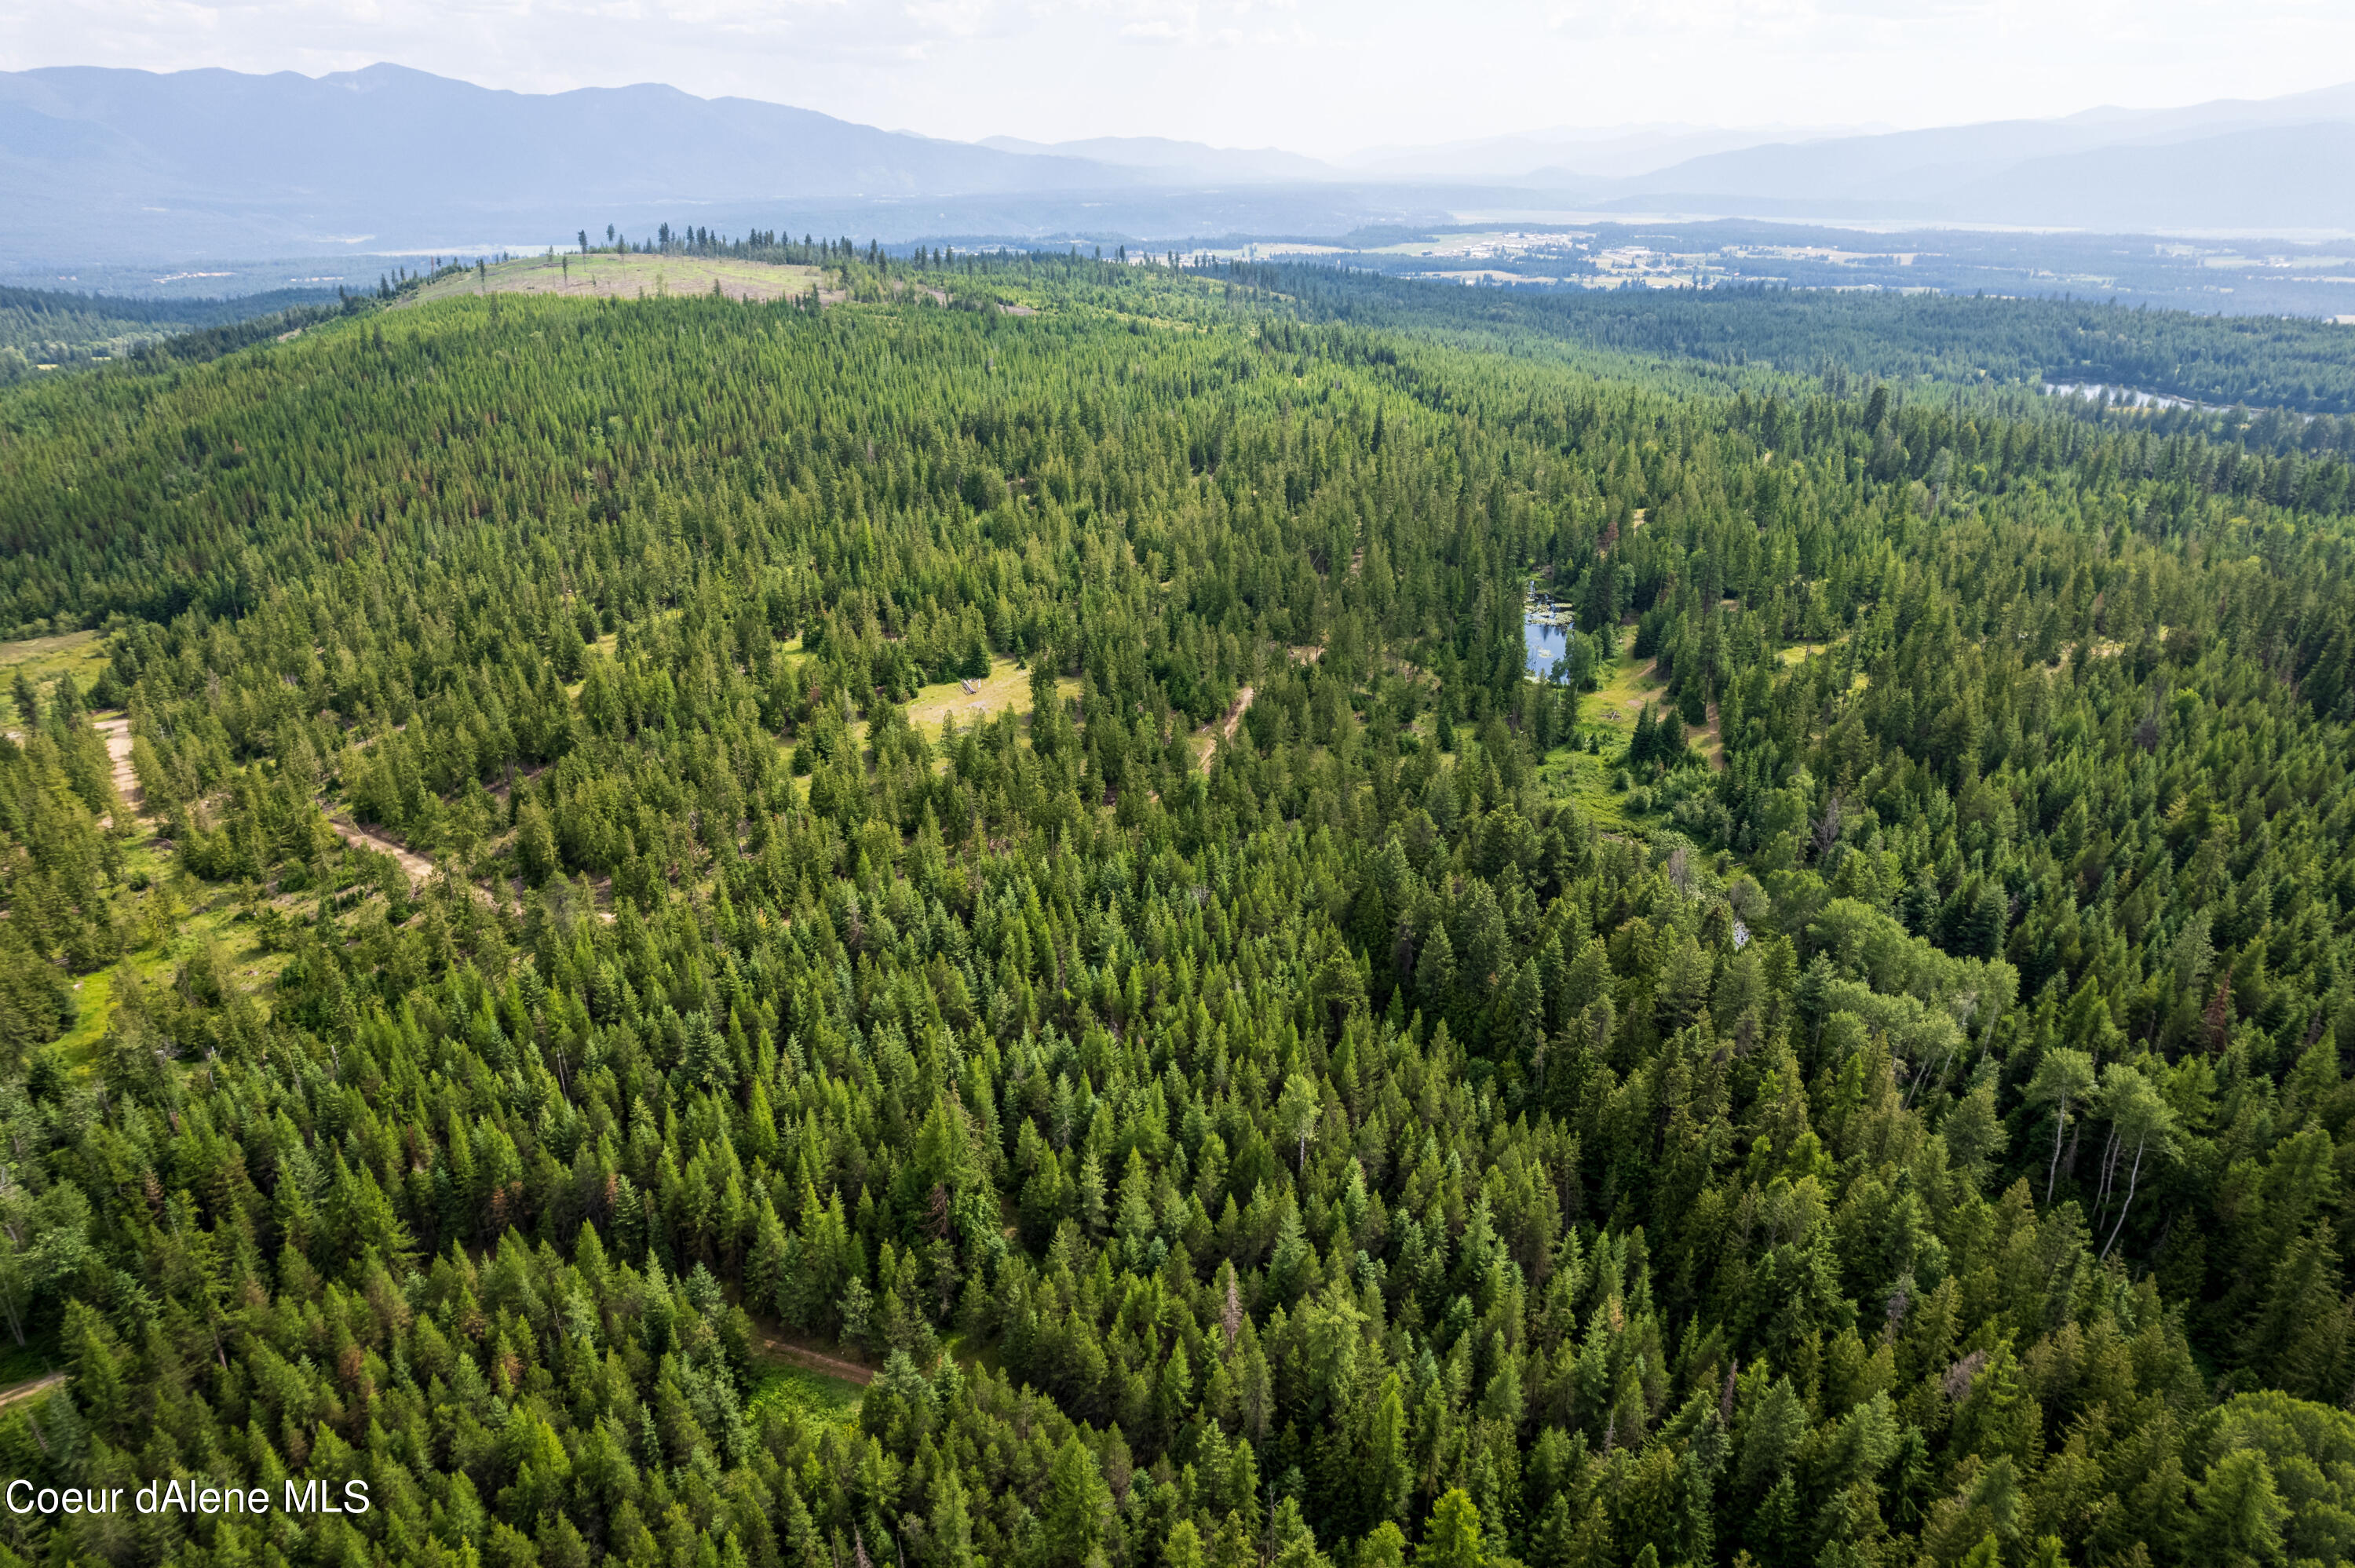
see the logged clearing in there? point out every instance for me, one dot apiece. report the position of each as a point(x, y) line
point(604, 275)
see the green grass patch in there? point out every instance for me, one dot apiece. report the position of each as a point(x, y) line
point(792, 1386)
point(76, 654)
point(1585, 779)
point(1800, 652)
point(1007, 686)
point(93, 1015)
point(246, 965)
point(1627, 685)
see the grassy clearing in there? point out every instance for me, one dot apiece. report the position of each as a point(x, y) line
point(93, 1001)
point(1007, 686)
point(795, 1387)
point(1585, 779)
point(75, 654)
point(603, 275)
point(245, 963)
point(607, 646)
point(1607, 714)
point(1800, 652)
point(1627, 685)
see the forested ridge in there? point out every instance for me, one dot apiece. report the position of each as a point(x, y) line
point(46, 328)
point(1291, 1089)
point(2296, 364)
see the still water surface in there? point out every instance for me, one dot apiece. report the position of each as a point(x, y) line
point(1544, 643)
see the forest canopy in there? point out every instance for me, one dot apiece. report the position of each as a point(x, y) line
point(1847, 1068)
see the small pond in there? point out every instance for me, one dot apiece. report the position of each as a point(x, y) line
point(1545, 638)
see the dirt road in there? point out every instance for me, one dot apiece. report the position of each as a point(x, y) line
point(420, 869)
point(817, 1360)
point(117, 731)
point(1228, 725)
point(33, 1390)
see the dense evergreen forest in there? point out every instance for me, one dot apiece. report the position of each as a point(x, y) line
point(1279, 1086)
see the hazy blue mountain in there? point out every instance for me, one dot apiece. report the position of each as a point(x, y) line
point(413, 137)
point(2233, 164)
point(1191, 162)
point(2229, 113)
point(2274, 177)
point(1573, 152)
point(1868, 167)
point(204, 160)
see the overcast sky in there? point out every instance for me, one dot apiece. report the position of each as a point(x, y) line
point(1324, 77)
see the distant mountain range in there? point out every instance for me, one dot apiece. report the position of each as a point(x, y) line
point(2281, 163)
point(197, 160)
point(1576, 153)
point(1191, 163)
point(106, 165)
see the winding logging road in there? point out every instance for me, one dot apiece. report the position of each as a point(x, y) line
point(33, 1390)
